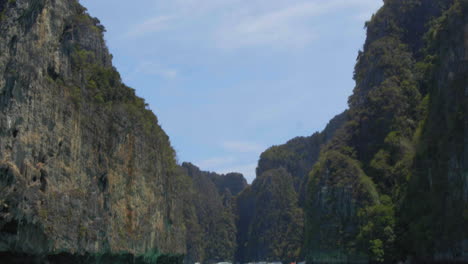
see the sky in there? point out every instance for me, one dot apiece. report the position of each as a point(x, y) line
point(227, 79)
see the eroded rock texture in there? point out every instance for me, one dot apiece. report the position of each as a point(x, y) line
point(84, 166)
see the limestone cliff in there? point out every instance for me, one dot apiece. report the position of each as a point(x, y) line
point(84, 166)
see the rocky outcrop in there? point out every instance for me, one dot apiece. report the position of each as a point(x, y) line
point(84, 166)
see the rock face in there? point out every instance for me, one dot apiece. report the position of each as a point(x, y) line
point(438, 189)
point(84, 166)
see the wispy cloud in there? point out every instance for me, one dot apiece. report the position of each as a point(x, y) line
point(214, 163)
point(286, 26)
point(233, 24)
point(242, 147)
point(150, 68)
point(283, 26)
point(149, 26)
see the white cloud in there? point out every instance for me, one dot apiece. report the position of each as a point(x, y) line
point(151, 25)
point(242, 147)
point(213, 163)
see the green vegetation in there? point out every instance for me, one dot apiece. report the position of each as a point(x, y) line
point(377, 234)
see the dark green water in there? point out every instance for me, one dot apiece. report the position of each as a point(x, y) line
point(66, 258)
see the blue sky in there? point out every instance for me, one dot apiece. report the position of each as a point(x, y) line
point(230, 78)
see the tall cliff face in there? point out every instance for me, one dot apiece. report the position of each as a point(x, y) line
point(84, 166)
point(438, 189)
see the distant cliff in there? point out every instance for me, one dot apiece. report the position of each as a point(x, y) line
point(271, 210)
point(210, 218)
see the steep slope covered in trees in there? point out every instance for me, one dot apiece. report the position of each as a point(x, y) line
point(392, 182)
